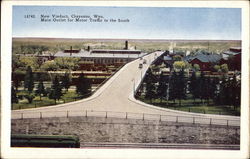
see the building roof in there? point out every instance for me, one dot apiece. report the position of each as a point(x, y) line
point(167, 58)
point(231, 53)
point(116, 51)
point(204, 58)
point(44, 54)
point(235, 48)
point(88, 54)
point(71, 51)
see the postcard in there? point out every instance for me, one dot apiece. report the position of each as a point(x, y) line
point(125, 79)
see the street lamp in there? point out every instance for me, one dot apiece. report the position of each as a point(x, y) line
point(141, 75)
point(141, 68)
point(167, 94)
point(133, 80)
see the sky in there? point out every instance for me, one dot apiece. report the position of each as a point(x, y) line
point(144, 23)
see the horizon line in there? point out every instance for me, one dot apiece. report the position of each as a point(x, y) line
point(129, 39)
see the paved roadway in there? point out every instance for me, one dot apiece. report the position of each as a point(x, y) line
point(116, 95)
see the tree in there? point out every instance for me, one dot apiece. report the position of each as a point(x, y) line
point(162, 87)
point(173, 87)
point(66, 81)
point(234, 92)
point(194, 86)
point(14, 98)
point(70, 63)
point(217, 68)
point(29, 80)
point(224, 94)
point(49, 66)
point(196, 67)
point(56, 90)
point(181, 86)
point(16, 63)
point(40, 89)
point(150, 86)
point(237, 94)
point(177, 58)
point(224, 68)
point(155, 69)
point(29, 61)
point(179, 65)
point(234, 62)
point(16, 80)
point(209, 89)
point(29, 97)
point(42, 49)
point(83, 86)
point(213, 89)
point(46, 91)
point(202, 86)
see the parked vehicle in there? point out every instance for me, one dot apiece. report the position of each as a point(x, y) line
point(140, 65)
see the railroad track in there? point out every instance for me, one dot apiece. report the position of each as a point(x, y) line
point(162, 146)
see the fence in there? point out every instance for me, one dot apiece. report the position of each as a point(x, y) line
point(128, 115)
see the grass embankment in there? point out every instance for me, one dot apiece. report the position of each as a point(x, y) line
point(69, 96)
point(196, 107)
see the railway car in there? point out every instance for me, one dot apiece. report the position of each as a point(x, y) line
point(53, 141)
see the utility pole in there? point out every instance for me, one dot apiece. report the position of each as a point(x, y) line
point(208, 46)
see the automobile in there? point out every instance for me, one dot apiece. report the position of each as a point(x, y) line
point(140, 65)
point(144, 61)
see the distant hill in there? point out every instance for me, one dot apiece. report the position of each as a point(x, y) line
point(37, 39)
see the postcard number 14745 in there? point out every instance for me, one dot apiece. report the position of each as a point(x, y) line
point(29, 16)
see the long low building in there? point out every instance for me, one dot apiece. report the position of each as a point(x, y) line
point(103, 56)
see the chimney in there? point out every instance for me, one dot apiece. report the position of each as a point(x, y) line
point(126, 45)
point(70, 50)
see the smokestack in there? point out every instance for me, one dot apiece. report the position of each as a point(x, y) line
point(126, 45)
point(88, 48)
point(70, 50)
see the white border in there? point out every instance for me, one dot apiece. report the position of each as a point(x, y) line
point(6, 36)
